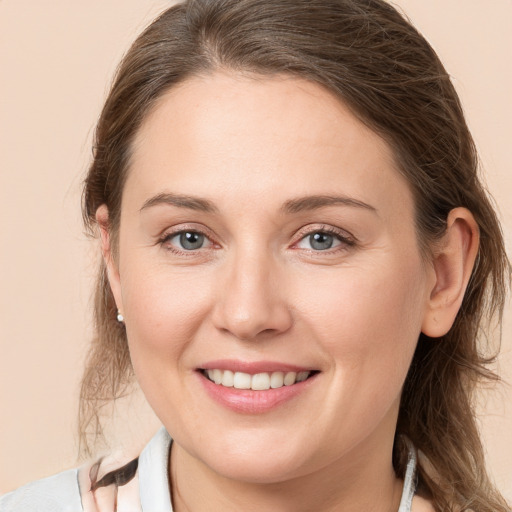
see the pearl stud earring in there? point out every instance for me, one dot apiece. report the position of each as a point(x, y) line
point(120, 317)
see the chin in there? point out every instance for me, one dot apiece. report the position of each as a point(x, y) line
point(259, 462)
point(265, 470)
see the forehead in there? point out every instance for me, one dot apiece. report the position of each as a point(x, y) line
point(226, 135)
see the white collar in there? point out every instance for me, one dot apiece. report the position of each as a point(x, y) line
point(409, 479)
point(154, 480)
point(153, 474)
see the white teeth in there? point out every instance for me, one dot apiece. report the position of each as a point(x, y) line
point(217, 376)
point(260, 381)
point(228, 379)
point(277, 380)
point(289, 378)
point(242, 381)
point(257, 382)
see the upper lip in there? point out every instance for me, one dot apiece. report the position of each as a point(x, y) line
point(253, 367)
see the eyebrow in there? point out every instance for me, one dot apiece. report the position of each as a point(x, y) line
point(308, 203)
point(299, 204)
point(181, 201)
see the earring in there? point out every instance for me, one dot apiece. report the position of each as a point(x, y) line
point(120, 317)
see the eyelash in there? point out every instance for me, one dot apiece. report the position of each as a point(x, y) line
point(346, 240)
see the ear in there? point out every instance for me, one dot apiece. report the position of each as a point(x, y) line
point(453, 263)
point(102, 219)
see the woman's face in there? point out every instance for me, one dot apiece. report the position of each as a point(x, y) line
point(265, 230)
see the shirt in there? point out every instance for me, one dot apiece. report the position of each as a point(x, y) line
point(148, 491)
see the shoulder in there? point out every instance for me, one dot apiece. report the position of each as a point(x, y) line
point(134, 484)
point(58, 493)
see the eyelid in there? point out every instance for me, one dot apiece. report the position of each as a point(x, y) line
point(170, 236)
point(346, 238)
point(343, 235)
point(170, 233)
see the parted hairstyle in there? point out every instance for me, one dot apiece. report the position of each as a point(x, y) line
point(372, 58)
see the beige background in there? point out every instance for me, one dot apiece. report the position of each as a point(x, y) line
point(56, 59)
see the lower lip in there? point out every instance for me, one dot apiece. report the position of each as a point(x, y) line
point(254, 402)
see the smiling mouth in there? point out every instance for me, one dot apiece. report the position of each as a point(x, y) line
point(258, 381)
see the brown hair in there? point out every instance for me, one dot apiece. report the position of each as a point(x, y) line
point(371, 57)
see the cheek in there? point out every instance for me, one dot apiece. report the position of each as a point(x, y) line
point(369, 317)
point(367, 321)
point(163, 310)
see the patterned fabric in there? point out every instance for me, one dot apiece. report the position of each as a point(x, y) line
point(147, 491)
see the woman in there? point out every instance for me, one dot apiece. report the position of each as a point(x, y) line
point(297, 259)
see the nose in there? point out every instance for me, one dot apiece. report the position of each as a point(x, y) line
point(251, 301)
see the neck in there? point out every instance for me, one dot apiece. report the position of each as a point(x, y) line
point(359, 481)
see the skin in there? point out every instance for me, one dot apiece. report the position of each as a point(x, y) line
point(257, 289)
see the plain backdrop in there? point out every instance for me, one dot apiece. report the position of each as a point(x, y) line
point(56, 62)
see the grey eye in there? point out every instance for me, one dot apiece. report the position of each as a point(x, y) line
point(190, 240)
point(321, 241)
